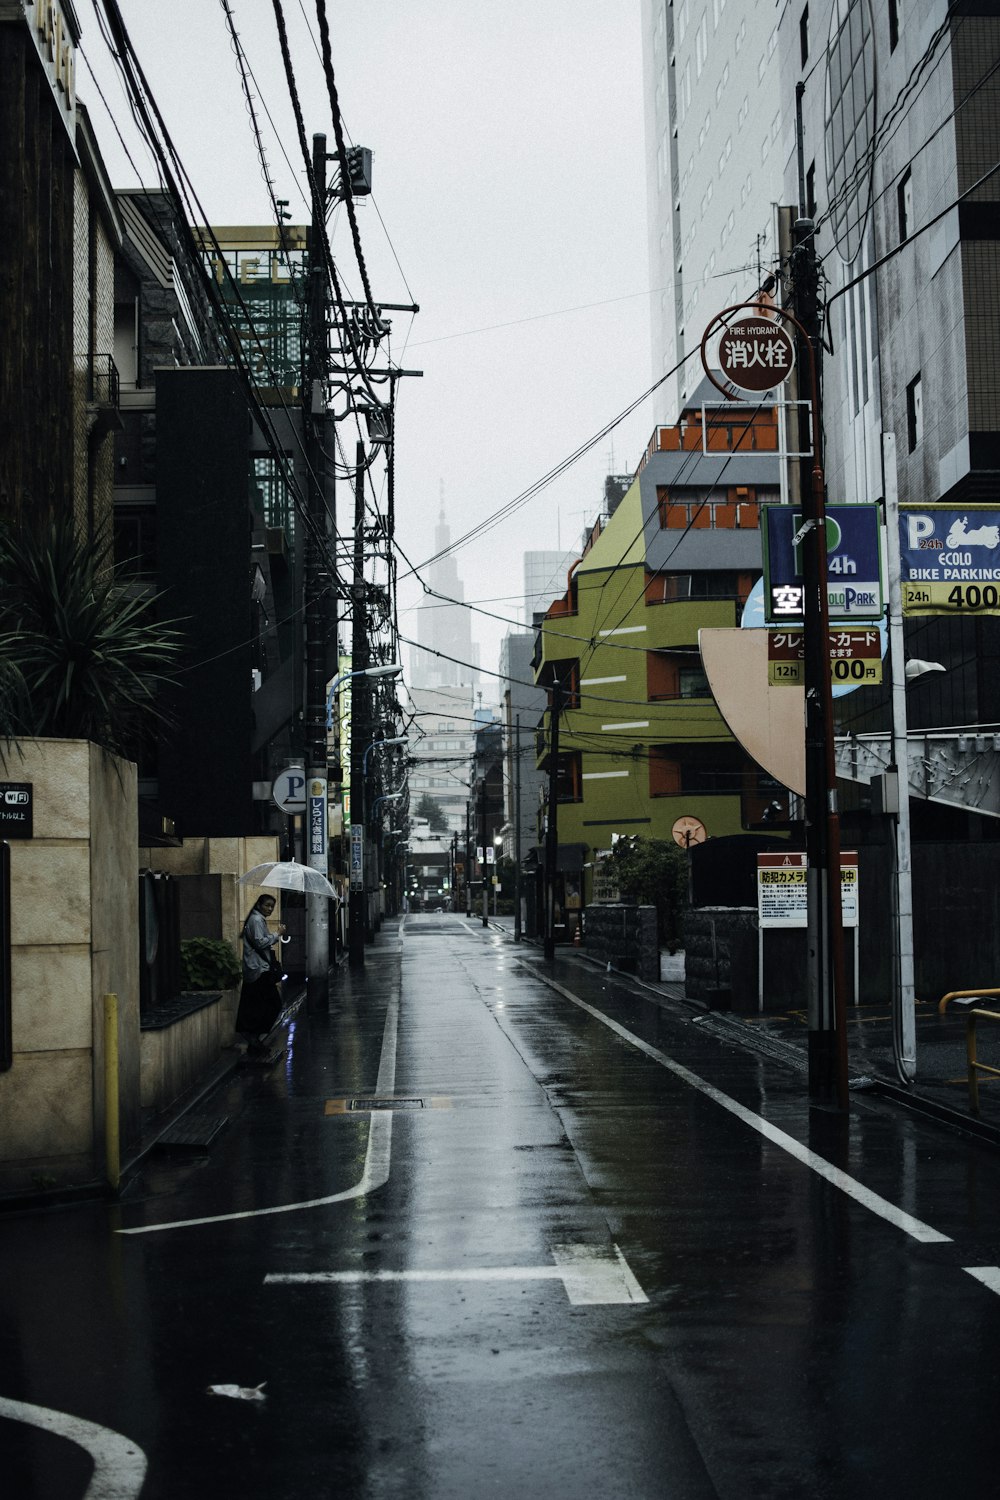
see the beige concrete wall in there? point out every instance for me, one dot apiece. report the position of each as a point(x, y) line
point(229, 858)
point(174, 1057)
point(74, 937)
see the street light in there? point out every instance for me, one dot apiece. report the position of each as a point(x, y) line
point(399, 739)
point(392, 670)
point(916, 668)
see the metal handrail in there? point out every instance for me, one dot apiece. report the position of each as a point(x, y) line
point(964, 995)
point(975, 1067)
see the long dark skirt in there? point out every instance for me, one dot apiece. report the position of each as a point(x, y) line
point(260, 1005)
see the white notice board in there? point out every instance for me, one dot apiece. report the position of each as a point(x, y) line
point(782, 888)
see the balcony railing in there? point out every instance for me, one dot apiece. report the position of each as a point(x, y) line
point(105, 385)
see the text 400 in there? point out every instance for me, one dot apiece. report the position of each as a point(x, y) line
point(971, 596)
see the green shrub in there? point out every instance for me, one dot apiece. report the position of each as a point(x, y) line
point(208, 964)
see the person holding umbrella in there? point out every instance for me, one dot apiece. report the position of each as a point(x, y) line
point(260, 998)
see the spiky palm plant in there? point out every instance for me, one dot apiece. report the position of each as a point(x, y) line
point(79, 657)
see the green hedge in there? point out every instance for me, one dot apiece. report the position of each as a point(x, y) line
point(208, 964)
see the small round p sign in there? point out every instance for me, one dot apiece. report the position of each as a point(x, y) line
point(756, 354)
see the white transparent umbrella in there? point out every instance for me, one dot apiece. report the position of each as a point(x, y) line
point(286, 875)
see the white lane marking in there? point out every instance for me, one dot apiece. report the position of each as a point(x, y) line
point(119, 1464)
point(849, 1185)
point(988, 1275)
point(377, 1157)
point(590, 1276)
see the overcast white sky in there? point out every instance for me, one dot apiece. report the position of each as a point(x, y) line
point(509, 177)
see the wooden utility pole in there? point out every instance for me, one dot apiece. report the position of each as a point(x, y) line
point(359, 726)
point(320, 586)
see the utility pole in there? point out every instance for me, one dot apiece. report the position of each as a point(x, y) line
point(517, 828)
point(552, 824)
point(359, 725)
point(468, 864)
point(482, 821)
point(320, 587)
point(827, 1010)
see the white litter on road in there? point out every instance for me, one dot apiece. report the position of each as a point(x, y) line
point(240, 1392)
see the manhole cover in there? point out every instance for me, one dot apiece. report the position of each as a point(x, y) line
point(192, 1133)
point(363, 1104)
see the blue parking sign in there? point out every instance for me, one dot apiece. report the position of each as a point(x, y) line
point(853, 554)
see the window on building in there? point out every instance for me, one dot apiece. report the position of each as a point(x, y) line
point(893, 25)
point(664, 588)
point(135, 539)
point(914, 413)
point(904, 205)
point(675, 674)
point(692, 682)
point(701, 45)
point(804, 36)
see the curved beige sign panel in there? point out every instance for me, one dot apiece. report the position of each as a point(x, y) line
point(769, 722)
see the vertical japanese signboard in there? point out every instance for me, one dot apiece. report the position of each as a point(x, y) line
point(317, 817)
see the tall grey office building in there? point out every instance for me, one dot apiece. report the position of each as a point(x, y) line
point(718, 131)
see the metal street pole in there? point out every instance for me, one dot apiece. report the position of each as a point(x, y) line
point(552, 825)
point(482, 821)
point(319, 588)
point(903, 999)
point(517, 828)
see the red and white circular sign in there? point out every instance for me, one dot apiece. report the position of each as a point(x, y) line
point(756, 354)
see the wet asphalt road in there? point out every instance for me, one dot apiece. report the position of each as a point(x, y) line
point(481, 1235)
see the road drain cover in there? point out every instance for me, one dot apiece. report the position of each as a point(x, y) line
point(192, 1133)
point(363, 1104)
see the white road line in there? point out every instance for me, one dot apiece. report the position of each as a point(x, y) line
point(590, 1276)
point(119, 1464)
point(849, 1185)
point(377, 1156)
point(988, 1275)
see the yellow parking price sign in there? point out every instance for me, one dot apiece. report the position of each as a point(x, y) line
point(855, 657)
